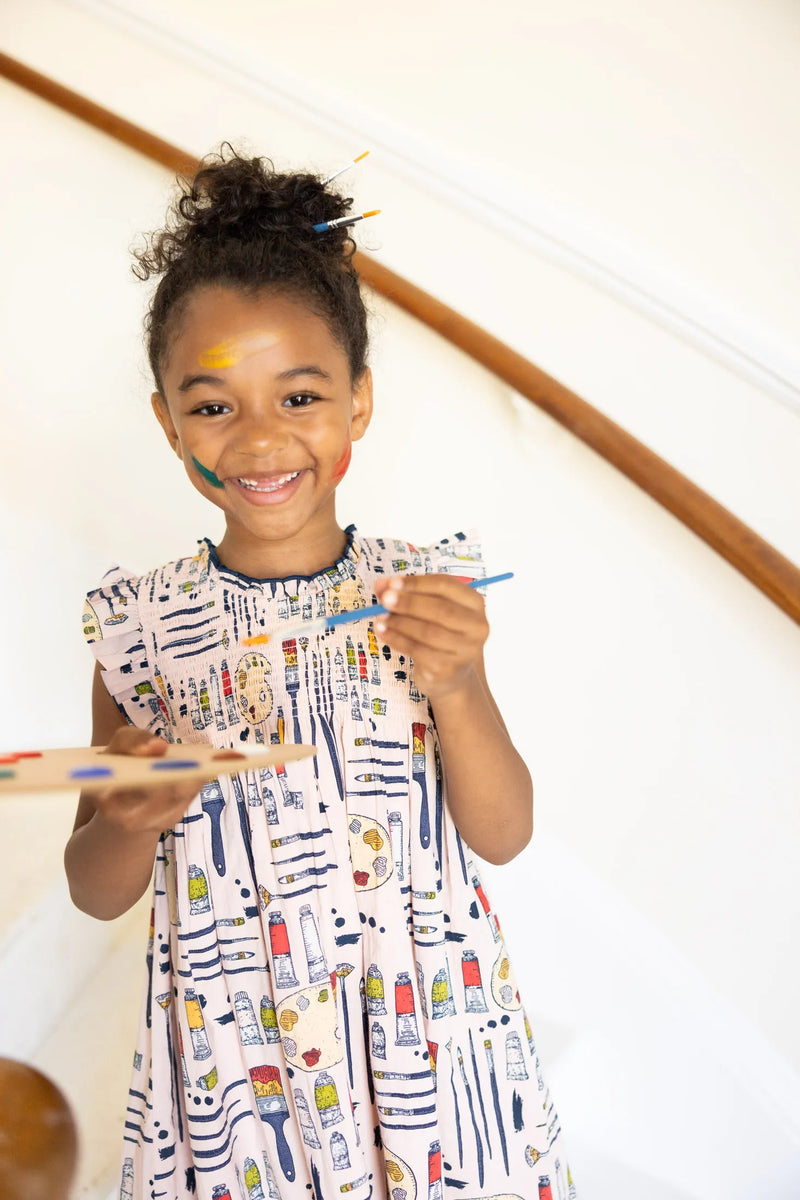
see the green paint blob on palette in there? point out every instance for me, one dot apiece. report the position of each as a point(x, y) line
point(90, 768)
point(207, 474)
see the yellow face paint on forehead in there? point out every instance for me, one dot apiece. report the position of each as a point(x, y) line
point(233, 350)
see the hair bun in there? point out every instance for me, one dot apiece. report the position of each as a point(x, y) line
point(247, 199)
point(240, 223)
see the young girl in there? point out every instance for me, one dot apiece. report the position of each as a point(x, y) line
point(330, 1008)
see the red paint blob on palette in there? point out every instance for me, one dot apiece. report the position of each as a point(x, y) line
point(311, 1057)
point(340, 467)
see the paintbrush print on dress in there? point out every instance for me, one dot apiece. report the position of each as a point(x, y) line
point(321, 995)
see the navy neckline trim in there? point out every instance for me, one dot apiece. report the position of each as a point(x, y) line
point(349, 554)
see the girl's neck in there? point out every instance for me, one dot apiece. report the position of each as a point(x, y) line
point(301, 555)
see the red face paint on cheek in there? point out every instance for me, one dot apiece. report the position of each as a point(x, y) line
point(340, 468)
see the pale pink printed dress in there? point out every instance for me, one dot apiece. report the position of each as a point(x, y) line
point(330, 1009)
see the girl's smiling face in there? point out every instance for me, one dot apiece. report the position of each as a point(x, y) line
point(258, 394)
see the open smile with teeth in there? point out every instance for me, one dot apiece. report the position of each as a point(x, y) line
point(268, 485)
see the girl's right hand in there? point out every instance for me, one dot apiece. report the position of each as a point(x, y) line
point(142, 809)
point(109, 857)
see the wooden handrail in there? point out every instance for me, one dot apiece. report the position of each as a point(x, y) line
point(774, 574)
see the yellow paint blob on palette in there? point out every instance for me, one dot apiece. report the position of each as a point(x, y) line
point(90, 768)
point(233, 350)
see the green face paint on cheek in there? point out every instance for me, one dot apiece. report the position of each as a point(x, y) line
point(209, 476)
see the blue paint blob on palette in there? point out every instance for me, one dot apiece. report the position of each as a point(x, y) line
point(174, 764)
point(90, 768)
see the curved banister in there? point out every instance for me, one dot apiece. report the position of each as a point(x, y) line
point(774, 574)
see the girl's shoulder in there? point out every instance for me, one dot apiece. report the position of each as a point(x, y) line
point(458, 554)
point(117, 615)
point(121, 588)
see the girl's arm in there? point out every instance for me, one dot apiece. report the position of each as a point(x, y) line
point(441, 623)
point(109, 857)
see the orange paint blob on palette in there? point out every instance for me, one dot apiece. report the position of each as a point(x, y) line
point(91, 768)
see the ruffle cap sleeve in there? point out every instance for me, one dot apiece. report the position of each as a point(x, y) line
point(112, 628)
point(461, 554)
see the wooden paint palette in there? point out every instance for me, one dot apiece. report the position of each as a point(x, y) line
point(91, 769)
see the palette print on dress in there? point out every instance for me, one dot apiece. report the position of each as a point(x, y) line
point(330, 1007)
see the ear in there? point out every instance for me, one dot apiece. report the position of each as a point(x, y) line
point(165, 421)
point(362, 405)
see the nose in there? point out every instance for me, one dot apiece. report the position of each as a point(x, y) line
point(260, 432)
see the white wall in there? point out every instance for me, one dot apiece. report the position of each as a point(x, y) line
point(658, 696)
point(537, 162)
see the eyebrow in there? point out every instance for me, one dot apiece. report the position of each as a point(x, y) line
point(190, 381)
point(309, 369)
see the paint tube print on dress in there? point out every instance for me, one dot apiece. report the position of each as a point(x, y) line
point(332, 1006)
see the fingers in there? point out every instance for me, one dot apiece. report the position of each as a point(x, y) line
point(137, 809)
point(410, 635)
point(446, 587)
point(141, 810)
point(439, 622)
point(138, 742)
point(432, 610)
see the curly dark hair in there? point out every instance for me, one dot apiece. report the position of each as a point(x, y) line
point(239, 223)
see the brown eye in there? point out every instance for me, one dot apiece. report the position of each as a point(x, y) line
point(211, 410)
point(300, 400)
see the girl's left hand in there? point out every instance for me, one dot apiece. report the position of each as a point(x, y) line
point(440, 622)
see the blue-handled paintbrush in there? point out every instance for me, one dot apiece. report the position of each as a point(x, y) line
point(321, 624)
